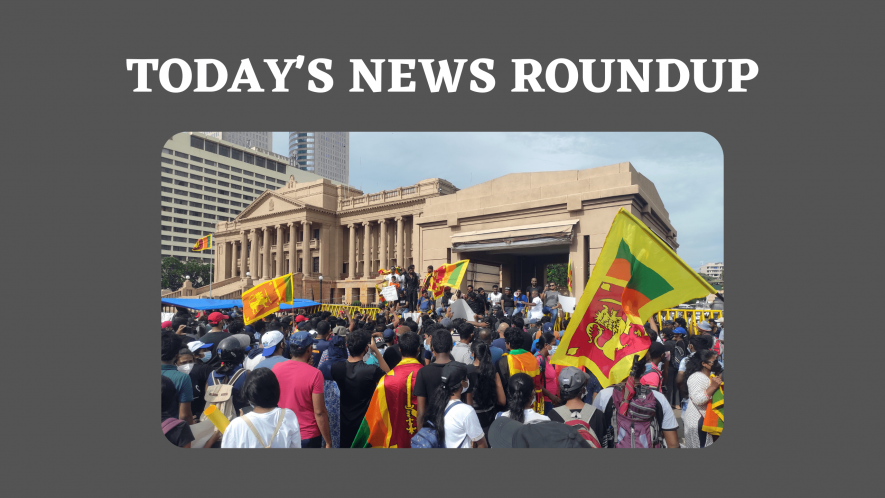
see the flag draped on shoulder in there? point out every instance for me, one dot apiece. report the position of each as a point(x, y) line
point(266, 298)
point(392, 417)
point(448, 276)
point(635, 275)
point(522, 361)
point(714, 418)
point(203, 244)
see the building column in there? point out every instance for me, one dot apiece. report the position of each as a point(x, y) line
point(322, 260)
point(293, 252)
point(367, 249)
point(382, 243)
point(305, 248)
point(399, 242)
point(265, 250)
point(351, 262)
point(243, 262)
point(253, 261)
point(281, 253)
point(221, 261)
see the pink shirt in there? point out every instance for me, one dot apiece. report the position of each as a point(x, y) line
point(550, 381)
point(653, 378)
point(298, 383)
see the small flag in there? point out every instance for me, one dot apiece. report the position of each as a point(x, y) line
point(448, 276)
point(636, 275)
point(571, 271)
point(203, 244)
point(714, 418)
point(266, 298)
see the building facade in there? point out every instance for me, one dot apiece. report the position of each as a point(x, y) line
point(712, 270)
point(204, 181)
point(317, 229)
point(325, 153)
point(247, 139)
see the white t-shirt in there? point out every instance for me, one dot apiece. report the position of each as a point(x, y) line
point(495, 298)
point(462, 426)
point(537, 310)
point(668, 424)
point(530, 416)
point(238, 434)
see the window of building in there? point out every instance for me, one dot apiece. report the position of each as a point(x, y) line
point(165, 247)
point(181, 173)
point(223, 192)
point(165, 218)
point(259, 176)
point(208, 162)
point(247, 189)
point(209, 180)
point(223, 183)
point(259, 161)
point(196, 177)
point(191, 241)
point(209, 189)
point(223, 175)
point(248, 173)
point(208, 225)
point(259, 184)
point(179, 230)
point(234, 211)
point(236, 170)
point(235, 203)
point(210, 199)
point(210, 172)
point(236, 178)
point(194, 222)
point(250, 182)
point(223, 150)
point(195, 204)
point(180, 211)
point(344, 267)
point(196, 159)
point(181, 183)
point(167, 151)
point(196, 142)
point(180, 220)
point(195, 196)
point(180, 154)
point(316, 233)
point(166, 170)
point(238, 196)
point(223, 210)
point(246, 197)
point(209, 207)
point(225, 201)
point(210, 216)
point(164, 228)
point(195, 168)
point(163, 179)
point(180, 239)
point(211, 147)
point(236, 154)
point(166, 160)
point(223, 166)
point(180, 201)
point(281, 168)
point(165, 237)
point(249, 158)
point(281, 182)
point(196, 213)
point(236, 187)
point(206, 233)
point(165, 199)
point(194, 232)
point(316, 264)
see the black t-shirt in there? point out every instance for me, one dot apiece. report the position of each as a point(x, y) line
point(199, 377)
point(430, 377)
point(410, 282)
point(597, 421)
point(507, 301)
point(529, 289)
point(180, 435)
point(392, 356)
point(318, 348)
point(356, 381)
point(527, 340)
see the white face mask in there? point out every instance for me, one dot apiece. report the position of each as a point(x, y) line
point(186, 368)
point(464, 389)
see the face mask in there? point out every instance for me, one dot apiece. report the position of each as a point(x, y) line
point(257, 335)
point(716, 368)
point(464, 389)
point(207, 356)
point(186, 368)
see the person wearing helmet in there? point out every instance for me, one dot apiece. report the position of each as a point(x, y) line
point(231, 354)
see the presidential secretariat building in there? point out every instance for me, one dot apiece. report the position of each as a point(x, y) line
point(509, 228)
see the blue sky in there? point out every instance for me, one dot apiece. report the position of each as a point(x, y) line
point(686, 168)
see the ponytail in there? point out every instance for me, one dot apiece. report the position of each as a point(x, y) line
point(695, 362)
point(521, 392)
point(436, 411)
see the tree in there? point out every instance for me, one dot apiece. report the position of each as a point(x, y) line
point(558, 274)
point(173, 271)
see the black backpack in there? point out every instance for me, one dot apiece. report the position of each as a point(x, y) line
point(677, 356)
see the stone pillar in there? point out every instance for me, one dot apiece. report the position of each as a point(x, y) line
point(265, 240)
point(399, 242)
point(367, 249)
point(243, 246)
point(305, 249)
point(351, 262)
point(293, 252)
point(253, 261)
point(382, 243)
point(281, 253)
point(221, 261)
point(321, 267)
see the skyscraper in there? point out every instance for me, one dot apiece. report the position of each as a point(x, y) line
point(260, 139)
point(325, 153)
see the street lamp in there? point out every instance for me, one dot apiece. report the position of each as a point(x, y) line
point(321, 289)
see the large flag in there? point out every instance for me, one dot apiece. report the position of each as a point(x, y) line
point(266, 298)
point(448, 276)
point(571, 271)
point(392, 417)
point(522, 361)
point(714, 418)
point(636, 275)
point(203, 244)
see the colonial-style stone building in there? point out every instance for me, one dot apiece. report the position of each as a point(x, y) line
point(510, 228)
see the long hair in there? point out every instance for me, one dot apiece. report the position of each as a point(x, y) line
point(484, 390)
point(521, 390)
point(436, 411)
point(695, 363)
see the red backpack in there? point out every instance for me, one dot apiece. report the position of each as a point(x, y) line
point(581, 423)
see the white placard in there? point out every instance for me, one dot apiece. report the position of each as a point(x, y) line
point(568, 304)
point(202, 431)
point(389, 293)
point(166, 317)
point(460, 309)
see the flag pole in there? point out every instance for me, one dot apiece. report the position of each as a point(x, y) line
point(211, 265)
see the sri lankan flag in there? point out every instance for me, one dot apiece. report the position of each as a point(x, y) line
point(636, 275)
point(522, 361)
point(266, 297)
point(571, 270)
point(203, 244)
point(392, 417)
point(714, 418)
point(448, 276)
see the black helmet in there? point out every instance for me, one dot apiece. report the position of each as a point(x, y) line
point(231, 350)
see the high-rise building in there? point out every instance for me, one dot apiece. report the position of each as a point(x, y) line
point(204, 181)
point(325, 153)
point(712, 269)
point(248, 139)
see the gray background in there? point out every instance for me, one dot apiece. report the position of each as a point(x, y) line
point(80, 161)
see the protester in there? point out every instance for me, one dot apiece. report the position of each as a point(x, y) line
point(551, 302)
point(266, 425)
point(534, 287)
point(549, 384)
point(218, 322)
point(275, 349)
point(521, 400)
point(170, 346)
point(177, 431)
point(324, 331)
point(485, 335)
point(199, 374)
point(572, 384)
point(335, 353)
point(393, 352)
point(700, 389)
point(429, 376)
point(357, 380)
point(410, 282)
point(495, 297)
point(461, 350)
point(696, 343)
point(455, 422)
point(229, 371)
point(425, 304)
point(476, 305)
point(537, 310)
point(520, 300)
point(654, 376)
point(488, 392)
point(301, 390)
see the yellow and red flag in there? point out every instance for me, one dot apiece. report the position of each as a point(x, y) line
point(447, 276)
point(522, 361)
point(392, 417)
point(571, 271)
point(266, 298)
point(636, 275)
point(203, 244)
point(714, 418)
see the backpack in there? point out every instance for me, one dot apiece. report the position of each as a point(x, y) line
point(426, 437)
point(677, 356)
point(275, 431)
point(221, 395)
point(639, 427)
point(170, 423)
point(582, 423)
point(659, 384)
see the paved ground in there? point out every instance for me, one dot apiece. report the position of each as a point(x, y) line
point(678, 413)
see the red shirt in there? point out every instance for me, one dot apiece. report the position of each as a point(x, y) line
point(298, 383)
point(653, 379)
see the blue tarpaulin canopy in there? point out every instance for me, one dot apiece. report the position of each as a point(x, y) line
point(212, 304)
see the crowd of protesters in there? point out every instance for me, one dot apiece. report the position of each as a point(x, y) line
point(306, 381)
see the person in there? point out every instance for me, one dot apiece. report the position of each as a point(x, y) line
point(495, 297)
point(489, 390)
point(551, 302)
point(275, 349)
point(335, 353)
point(425, 304)
point(500, 342)
point(410, 281)
point(549, 384)
point(461, 350)
point(301, 390)
point(483, 299)
point(170, 346)
point(357, 380)
point(456, 423)
point(537, 310)
point(476, 306)
point(705, 329)
point(507, 302)
point(521, 400)
point(507, 433)
point(701, 387)
point(521, 301)
point(429, 376)
point(393, 352)
point(267, 425)
point(572, 383)
point(721, 324)
point(485, 335)
point(324, 330)
point(218, 322)
point(231, 354)
point(177, 431)
point(696, 343)
point(199, 374)
point(426, 284)
point(655, 376)
point(670, 343)
point(444, 301)
point(534, 287)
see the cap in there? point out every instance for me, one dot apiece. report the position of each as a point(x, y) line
point(388, 333)
point(217, 317)
point(501, 432)
point(301, 340)
point(506, 288)
point(195, 345)
point(452, 373)
point(548, 435)
point(300, 318)
point(547, 327)
point(703, 325)
point(270, 340)
point(571, 379)
point(679, 330)
point(656, 349)
point(340, 331)
point(166, 324)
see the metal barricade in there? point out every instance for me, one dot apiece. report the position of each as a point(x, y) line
point(691, 316)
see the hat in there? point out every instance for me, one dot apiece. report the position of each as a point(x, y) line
point(679, 330)
point(669, 323)
point(165, 324)
point(452, 373)
point(571, 379)
point(270, 340)
point(388, 333)
point(301, 340)
point(340, 331)
point(216, 317)
point(548, 435)
point(195, 345)
point(501, 432)
point(506, 288)
point(300, 318)
point(656, 349)
point(547, 327)
point(703, 325)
